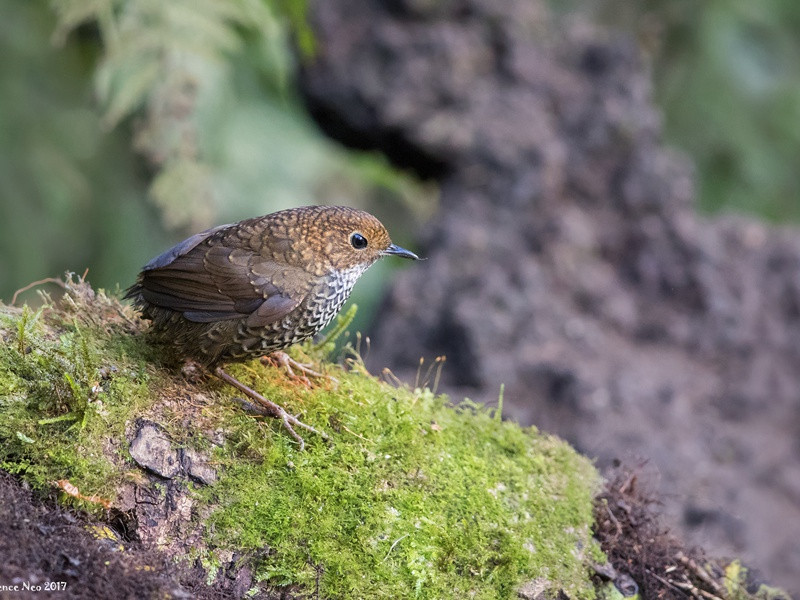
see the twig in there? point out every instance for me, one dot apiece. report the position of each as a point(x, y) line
point(687, 587)
point(613, 519)
point(34, 284)
point(358, 435)
point(700, 572)
point(72, 490)
point(697, 592)
point(397, 541)
point(628, 483)
point(666, 582)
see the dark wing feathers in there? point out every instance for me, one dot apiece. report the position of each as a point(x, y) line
point(213, 282)
point(272, 309)
point(162, 260)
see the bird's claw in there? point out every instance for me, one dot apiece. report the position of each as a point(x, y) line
point(280, 358)
point(267, 407)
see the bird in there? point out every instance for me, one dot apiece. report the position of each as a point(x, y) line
point(248, 289)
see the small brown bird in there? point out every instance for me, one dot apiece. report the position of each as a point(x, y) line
point(254, 287)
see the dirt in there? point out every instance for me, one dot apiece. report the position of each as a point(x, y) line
point(51, 552)
point(567, 260)
point(645, 558)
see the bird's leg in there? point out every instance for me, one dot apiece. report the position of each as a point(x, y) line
point(281, 359)
point(270, 408)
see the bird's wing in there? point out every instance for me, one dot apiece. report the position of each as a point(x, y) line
point(214, 282)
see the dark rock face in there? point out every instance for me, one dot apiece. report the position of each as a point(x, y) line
point(567, 260)
point(152, 450)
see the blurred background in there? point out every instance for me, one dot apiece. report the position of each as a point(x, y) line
point(126, 125)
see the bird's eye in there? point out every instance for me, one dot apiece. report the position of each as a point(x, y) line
point(358, 241)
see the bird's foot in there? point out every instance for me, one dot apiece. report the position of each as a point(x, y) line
point(280, 359)
point(269, 408)
point(192, 371)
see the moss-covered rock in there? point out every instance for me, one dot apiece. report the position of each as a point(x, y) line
point(412, 497)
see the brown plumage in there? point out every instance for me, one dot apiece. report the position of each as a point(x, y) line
point(247, 289)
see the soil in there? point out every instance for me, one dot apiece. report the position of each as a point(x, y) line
point(567, 260)
point(51, 552)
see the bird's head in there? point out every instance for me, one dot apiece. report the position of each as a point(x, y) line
point(347, 238)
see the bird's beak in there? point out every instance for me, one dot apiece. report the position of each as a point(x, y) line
point(401, 252)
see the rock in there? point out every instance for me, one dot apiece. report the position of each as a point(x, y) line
point(152, 450)
point(536, 589)
point(626, 586)
point(197, 467)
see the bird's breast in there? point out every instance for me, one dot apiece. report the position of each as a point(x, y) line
point(327, 297)
point(317, 310)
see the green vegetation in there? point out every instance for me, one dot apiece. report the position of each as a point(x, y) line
point(739, 587)
point(130, 124)
point(412, 498)
point(70, 381)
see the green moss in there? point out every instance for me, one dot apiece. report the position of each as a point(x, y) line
point(65, 397)
point(739, 587)
point(412, 498)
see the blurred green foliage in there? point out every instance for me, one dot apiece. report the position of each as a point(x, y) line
point(126, 125)
point(129, 124)
point(61, 173)
point(727, 76)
